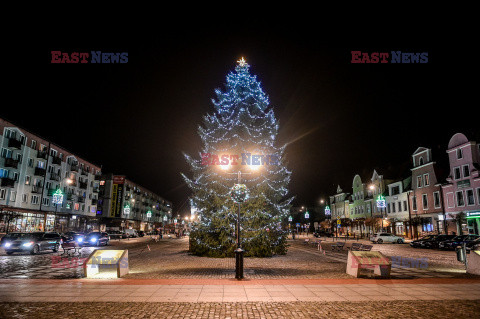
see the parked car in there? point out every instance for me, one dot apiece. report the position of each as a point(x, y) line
point(380, 238)
point(131, 233)
point(436, 240)
point(117, 234)
point(420, 242)
point(472, 244)
point(141, 233)
point(457, 241)
point(31, 242)
point(73, 236)
point(97, 239)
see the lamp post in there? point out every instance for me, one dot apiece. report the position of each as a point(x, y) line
point(239, 252)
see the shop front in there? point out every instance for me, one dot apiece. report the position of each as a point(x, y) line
point(473, 222)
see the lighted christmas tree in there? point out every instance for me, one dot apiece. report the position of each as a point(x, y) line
point(242, 123)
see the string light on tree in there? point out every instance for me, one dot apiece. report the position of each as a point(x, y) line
point(242, 122)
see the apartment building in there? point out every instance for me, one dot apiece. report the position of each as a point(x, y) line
point(32, 170)
point(124, 204)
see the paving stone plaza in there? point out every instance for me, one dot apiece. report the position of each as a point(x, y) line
point(166, 282)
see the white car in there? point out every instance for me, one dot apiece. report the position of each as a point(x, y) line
point(380, 238)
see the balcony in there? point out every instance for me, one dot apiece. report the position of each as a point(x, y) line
point(42, 154)
point(74, 168)
point(81, 199)
point(82, 185)
point(40, 171)
point(7, 182)
point(84, 172)
point(13, 143)
point(37, 189)
point(56, 160)
point(55, 177)
point(10, 162)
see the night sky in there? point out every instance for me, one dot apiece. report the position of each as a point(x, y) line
point(340, 118)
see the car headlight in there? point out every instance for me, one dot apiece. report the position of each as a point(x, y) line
point(93, 240)
point(80, 240)
point(28, 244)
point(8, 245)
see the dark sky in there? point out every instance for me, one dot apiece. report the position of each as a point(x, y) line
point(137, 118)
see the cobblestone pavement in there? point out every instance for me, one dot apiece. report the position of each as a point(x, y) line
point(357, 310)
point(169, 259)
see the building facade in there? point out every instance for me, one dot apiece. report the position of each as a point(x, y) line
point(124, 204)
point(427, 210)
point(398, 210)
point(32, 170)
point(462, 191)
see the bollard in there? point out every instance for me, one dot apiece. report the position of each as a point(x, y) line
point(239, 263)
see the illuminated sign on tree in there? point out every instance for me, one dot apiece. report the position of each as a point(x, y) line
point(149, 214)
point(290, 218)
point(307, 215)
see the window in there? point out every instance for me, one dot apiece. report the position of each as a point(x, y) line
point(34, 200)
point(478, 195)
point(19, 158)
point(425, 201)
point(388, 208)
point(395, 190)
point(13, 196)
point(405, 205)
point(27, 180)
point(46, 201)
point(34, 144)
point(456, 171)
point(460, 200)
point(393, 208)
point(2, 193)
point(24, 198)
point(53, 152)
point(466, 171)
point(6, 153)
point(420, 162)
point(3, 173)
point(436, 199)
point(459, 153)
point(399, 206)
point(41, 164)
point(76, 206)
point(426, 179)
point(414, 202)
point(30, 162)
point(419, 181)
point(470, 198)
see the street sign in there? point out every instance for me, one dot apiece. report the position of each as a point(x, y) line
point(327, 210)
point(58, 197)
point(298, 224)
point(338, 221)
point(126, 209)
point(381, 203)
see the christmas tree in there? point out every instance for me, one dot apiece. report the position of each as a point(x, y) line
point(242, 123)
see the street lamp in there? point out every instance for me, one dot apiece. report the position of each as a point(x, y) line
point(239, 193)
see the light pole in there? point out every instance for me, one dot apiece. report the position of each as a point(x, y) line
point(239, 251)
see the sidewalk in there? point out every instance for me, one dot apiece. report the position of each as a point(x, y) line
point(231, 290)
